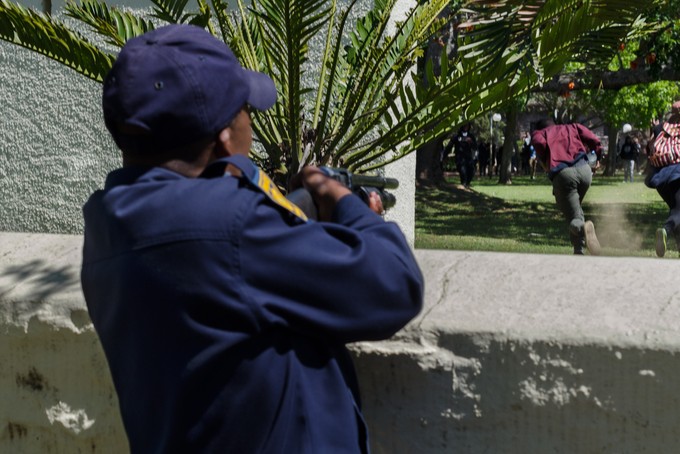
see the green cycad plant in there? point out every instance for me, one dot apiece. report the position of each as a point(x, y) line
point(360, 75)
point(366, 106)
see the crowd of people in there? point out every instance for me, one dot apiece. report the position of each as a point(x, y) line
point(563, 153)
point(486, 157)
point(465, 154)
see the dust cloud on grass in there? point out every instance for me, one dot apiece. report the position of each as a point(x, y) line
point(616, 230)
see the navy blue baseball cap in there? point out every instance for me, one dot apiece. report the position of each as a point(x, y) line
point(177, 85)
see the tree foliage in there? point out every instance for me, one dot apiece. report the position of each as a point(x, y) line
point(636, 85)
point(636, 105)
point(366, 107)
point(662, 48)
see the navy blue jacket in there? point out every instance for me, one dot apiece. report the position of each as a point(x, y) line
point(224, 317)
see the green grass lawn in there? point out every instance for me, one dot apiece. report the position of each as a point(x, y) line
point(523, 217)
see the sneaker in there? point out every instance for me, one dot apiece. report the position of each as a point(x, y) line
point(591, 239)
point(661, 237)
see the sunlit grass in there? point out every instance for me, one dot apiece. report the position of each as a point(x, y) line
point(523, 217)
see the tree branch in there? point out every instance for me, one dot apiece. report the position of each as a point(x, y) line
point(608, 80)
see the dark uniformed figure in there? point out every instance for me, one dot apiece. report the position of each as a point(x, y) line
point(222, 310)
point(464, 145)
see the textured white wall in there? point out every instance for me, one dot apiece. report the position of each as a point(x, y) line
point(563, 368)
point(405, 169)
point(54, 148)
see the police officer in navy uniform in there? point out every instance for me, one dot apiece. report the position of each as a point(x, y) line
point(464, 145)
point(222, 310)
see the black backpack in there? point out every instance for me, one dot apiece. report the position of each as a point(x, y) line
point(627, 151)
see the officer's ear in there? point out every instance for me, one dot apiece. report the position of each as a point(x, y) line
point(222, 143)
point(237, 137)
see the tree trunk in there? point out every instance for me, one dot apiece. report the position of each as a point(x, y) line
point(428, 163)
point(510, 133)
point(612, 150)
point(428, 168)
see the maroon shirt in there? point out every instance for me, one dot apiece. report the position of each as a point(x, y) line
point(560, 146)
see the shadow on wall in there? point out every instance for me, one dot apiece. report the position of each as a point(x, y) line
point(45, 279)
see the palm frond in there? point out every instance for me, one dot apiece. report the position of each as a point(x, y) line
point(242, 31)
point(379, 67)
point(114, 25)
point(174, 12)
point(51, 38)
point(171, 11)
point(286, 29)
point(203, 18)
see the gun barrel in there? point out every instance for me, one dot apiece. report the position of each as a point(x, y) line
point(374, 181)
point(353, 180)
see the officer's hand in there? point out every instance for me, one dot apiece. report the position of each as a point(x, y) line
point(375, 203)
point(325, 191)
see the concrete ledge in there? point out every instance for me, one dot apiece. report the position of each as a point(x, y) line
point(531, 354)
point(55, 390)
point(512, 354)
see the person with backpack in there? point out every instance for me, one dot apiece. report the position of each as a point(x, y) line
point(629, 153)
point(664, 176)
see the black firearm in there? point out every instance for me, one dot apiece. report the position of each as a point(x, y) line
point(360, 185)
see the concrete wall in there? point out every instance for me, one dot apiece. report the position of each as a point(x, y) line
point(56, 394)
point(512, 354)
point(518, 353)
